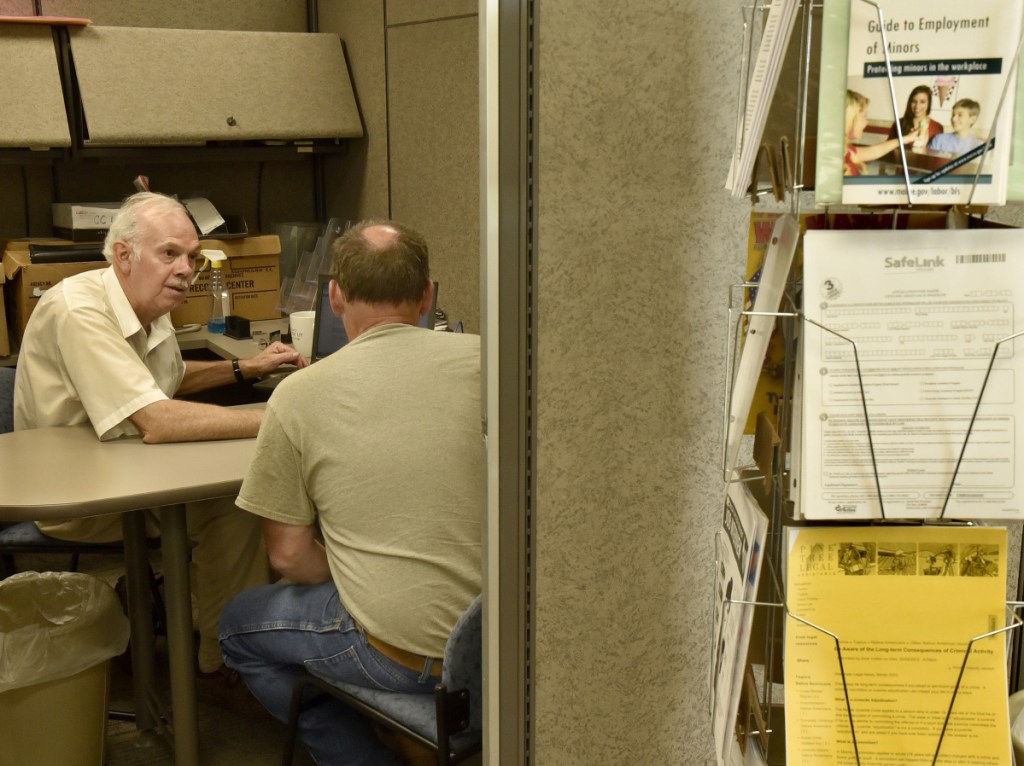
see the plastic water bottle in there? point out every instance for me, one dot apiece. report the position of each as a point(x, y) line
point(218, 297)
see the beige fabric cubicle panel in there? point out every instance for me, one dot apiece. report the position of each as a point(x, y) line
point(410, 11)
point(152, 86)
point(16, 7)
point(357, 185)
point(33, 114)
point(278, 15)
point(434, 128)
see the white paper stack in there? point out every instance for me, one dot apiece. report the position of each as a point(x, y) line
point(911, 434)
point(760, 91)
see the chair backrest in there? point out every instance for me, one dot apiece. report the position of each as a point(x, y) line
point(6, 399)
point(463, 660)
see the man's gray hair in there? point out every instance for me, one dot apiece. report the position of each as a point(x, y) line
point(125, 227)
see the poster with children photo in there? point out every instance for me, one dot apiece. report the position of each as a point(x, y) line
point(952, 120)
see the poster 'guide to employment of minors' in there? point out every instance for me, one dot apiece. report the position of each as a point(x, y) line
point(960, 57)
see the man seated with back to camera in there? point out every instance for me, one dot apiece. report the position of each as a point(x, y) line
point(378, 449)
point(99, 348)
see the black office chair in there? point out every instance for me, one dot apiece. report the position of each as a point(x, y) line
point(448, 723)
point(25, 537)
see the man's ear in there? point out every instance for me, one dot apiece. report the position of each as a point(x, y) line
point(428, 297)
point(123, 256)
point(337, 297)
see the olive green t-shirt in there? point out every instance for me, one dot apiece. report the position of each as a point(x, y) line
point(382, 441)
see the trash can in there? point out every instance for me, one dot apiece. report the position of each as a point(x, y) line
point(58, 632)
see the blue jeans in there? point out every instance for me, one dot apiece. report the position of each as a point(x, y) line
point(271, 633)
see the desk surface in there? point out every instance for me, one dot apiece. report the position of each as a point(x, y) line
point(60, 473)
point(225, 347)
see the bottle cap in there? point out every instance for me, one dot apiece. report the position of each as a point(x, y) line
point(215, 258)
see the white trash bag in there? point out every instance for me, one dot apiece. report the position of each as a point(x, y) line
point(56, 624)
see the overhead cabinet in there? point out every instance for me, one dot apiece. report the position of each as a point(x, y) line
point(141, 87)
point(33, 114)
point(181, 86)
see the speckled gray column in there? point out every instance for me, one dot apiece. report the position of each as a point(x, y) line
point(638, 243)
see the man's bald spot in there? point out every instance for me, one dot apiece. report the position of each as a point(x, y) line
point(380, 236)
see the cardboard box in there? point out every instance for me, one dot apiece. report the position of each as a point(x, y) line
point(27, 281)
point(252, 277)
point(86, 222)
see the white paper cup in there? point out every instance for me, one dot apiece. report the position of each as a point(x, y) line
point(300, 324)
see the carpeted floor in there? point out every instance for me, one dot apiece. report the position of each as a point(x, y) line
point(225, 738)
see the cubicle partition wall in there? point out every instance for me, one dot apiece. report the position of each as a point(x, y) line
point(407, 146)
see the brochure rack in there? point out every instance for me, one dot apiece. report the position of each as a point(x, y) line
point(728, 470)
point(777, 504)
point(779, 167)
point(764, 737)
point(778, 174)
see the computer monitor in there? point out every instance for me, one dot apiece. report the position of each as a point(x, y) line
point(328, 331)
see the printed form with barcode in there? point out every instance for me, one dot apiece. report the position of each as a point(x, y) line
point(933, 314)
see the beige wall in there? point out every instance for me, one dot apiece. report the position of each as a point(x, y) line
point(435, 152)
point(637, 244)
point(419, 162)
point(413, 11)
point(16, 7)
point(358, 184)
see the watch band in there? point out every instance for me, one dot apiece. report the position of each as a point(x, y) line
point(237, 369)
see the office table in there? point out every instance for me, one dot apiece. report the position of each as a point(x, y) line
point(60, 473)
point(225, 347)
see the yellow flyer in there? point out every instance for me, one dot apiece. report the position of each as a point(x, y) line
point(905, 603)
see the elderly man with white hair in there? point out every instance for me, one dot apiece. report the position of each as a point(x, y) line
point(100, 349)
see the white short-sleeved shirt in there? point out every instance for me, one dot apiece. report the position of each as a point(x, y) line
point(85, 358)
point(382, 442)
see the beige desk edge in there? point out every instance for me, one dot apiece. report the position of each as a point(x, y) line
point(54, 473)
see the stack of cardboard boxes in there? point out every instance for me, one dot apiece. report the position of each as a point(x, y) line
point(252, 276)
